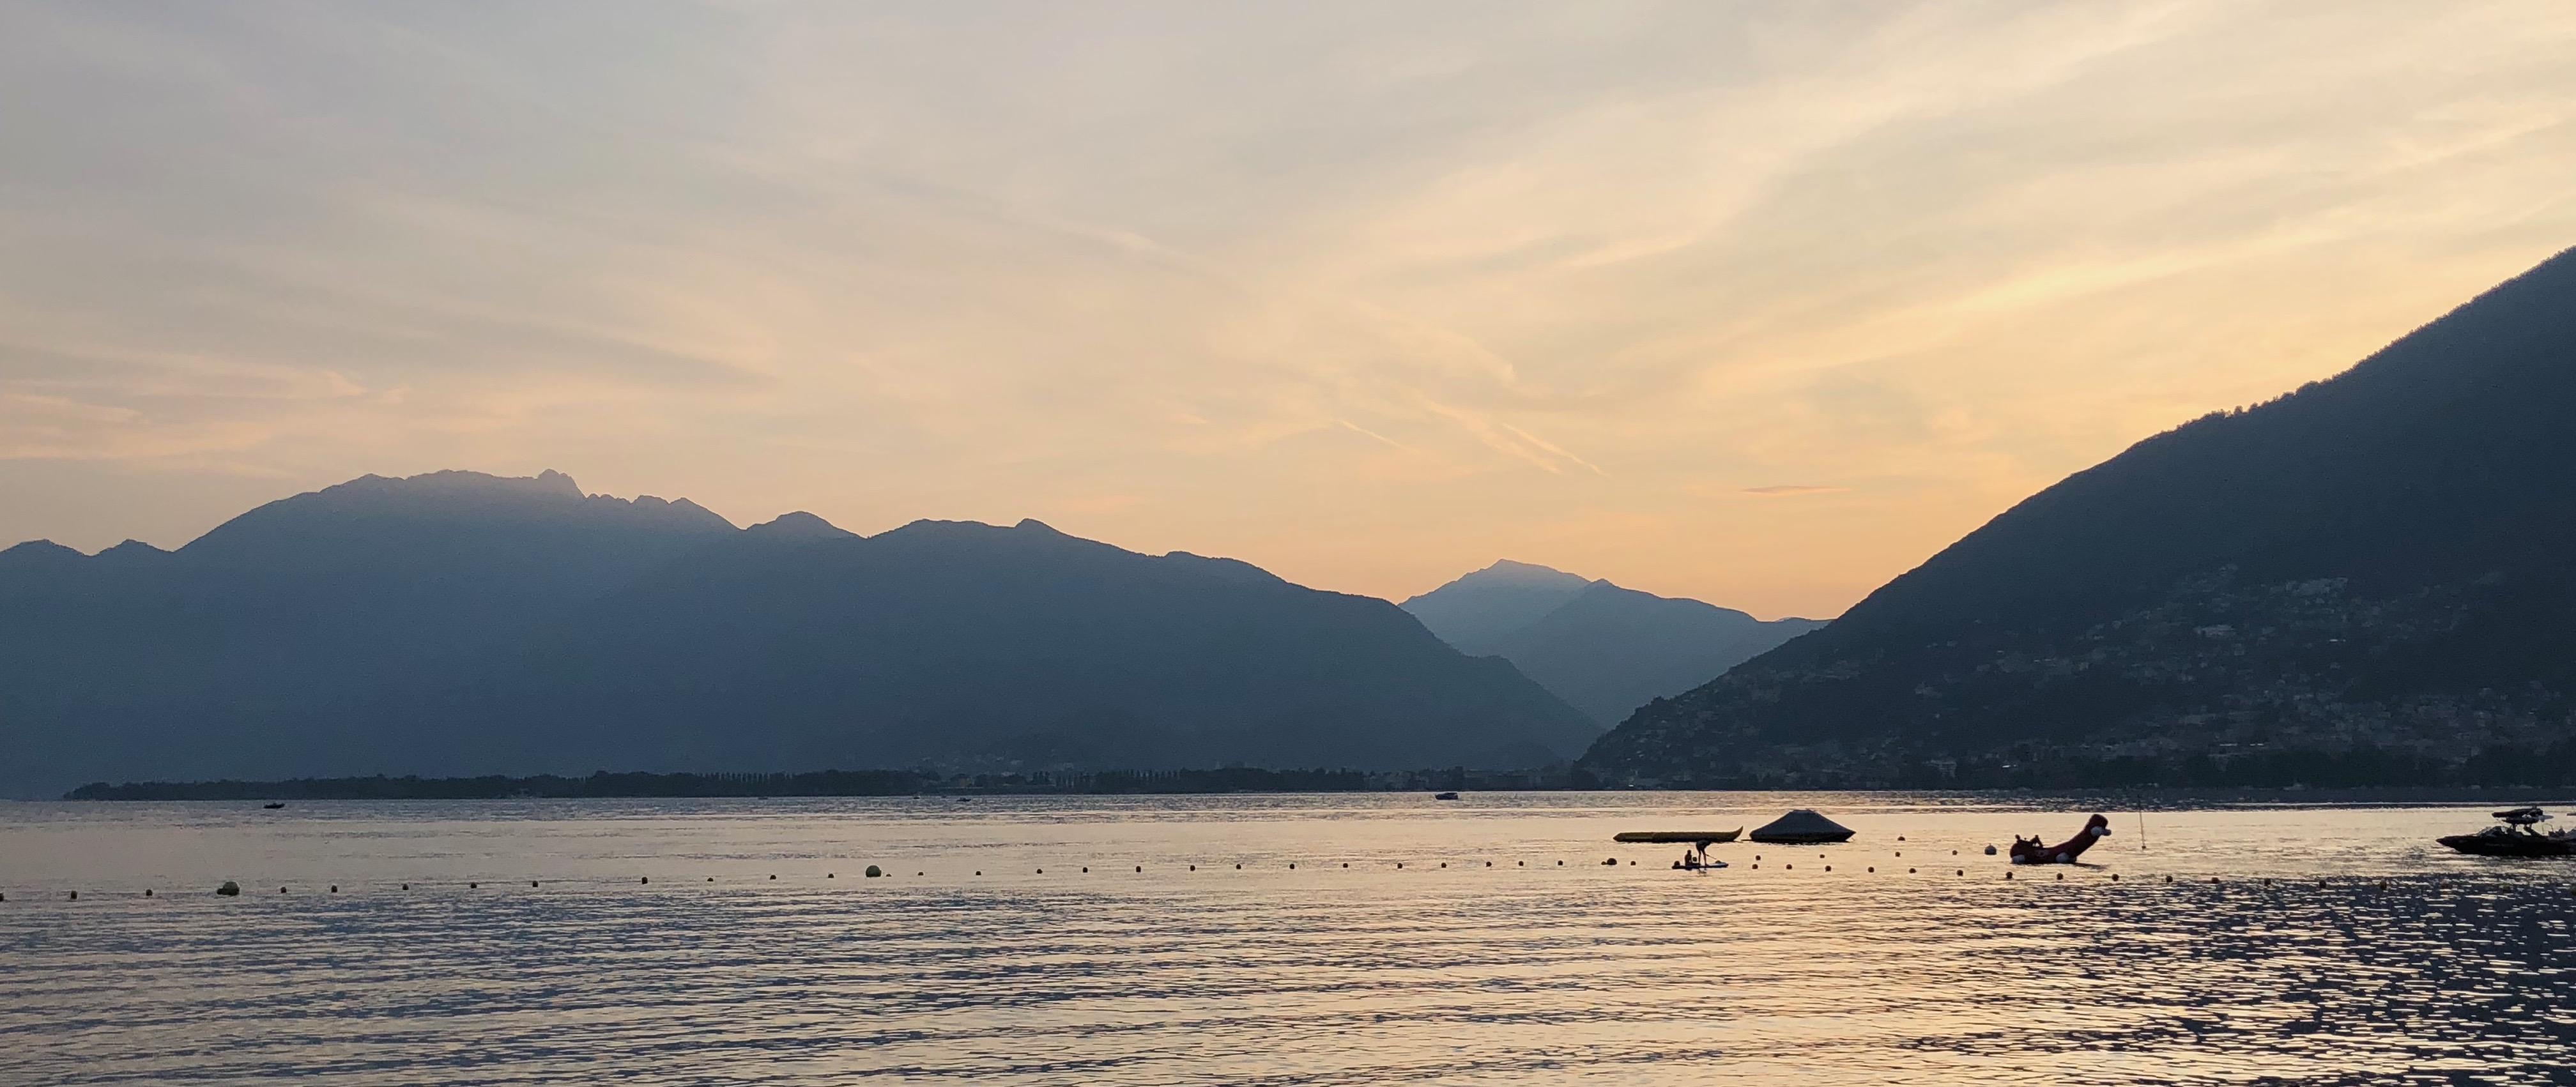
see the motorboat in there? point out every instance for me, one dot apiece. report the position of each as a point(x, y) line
point(2515, 834)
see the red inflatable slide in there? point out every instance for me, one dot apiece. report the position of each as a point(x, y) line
point(2030, 851)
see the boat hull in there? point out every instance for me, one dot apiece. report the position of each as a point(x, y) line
point(2511, 845)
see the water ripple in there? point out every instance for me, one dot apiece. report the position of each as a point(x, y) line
point(2316, 947)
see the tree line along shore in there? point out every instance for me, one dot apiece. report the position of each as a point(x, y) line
point(2358, 776)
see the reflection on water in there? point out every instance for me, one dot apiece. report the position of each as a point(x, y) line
point(2289, 945)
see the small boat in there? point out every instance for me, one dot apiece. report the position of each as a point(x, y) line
point(274, 805)
point(1444, 796)
point(1802, 826)
point(2031, 851)
point(2514, 836)
point(1693, 836)
point(1695, 858)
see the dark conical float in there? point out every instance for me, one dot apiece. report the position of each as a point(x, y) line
point(1802, 826)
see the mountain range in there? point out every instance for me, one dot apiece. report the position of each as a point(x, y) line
point(2366, 581)
point(462, 623)
point(1603, 649)
point(2371, 580)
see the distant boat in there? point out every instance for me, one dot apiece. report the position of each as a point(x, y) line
point(274, 805)
point(2514, 836)
point(1692, 836)
point(1802, 826)
point(1694, 859)
point(1444, 796)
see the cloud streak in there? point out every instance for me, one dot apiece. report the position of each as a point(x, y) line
point(1366, 295)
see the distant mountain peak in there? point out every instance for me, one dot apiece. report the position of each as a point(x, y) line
point(1509, 572)
point(1476, 610)
point(936, 529)
point(131, 549)
point(39, 553)
point(801, 525)
point(548, 489)
point(549, 484)
point(1602, 648)
point(398, 510)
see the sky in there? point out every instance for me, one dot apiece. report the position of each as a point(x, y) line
point(1757, 303)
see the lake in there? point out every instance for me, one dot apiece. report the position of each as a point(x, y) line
point(1169, 940)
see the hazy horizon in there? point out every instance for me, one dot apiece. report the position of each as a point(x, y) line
point(1756, 305)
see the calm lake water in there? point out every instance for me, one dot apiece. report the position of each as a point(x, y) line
point(2328, 945)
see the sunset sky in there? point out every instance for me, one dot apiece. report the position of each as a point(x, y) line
point(1757, 303)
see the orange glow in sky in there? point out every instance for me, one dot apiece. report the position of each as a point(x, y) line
point(1757, 303)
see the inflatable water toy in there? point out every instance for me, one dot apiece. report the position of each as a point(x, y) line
point(1802, 826)
point(2031, 851)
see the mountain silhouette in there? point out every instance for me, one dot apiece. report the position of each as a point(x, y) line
point(464, 623)
point(1480, 611)
point(1605, 650)
point(267, 639)
point(2372, 571)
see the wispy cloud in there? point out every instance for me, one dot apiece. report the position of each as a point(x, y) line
point(1360, 293)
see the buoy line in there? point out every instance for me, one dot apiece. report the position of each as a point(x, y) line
point(2435, 881)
